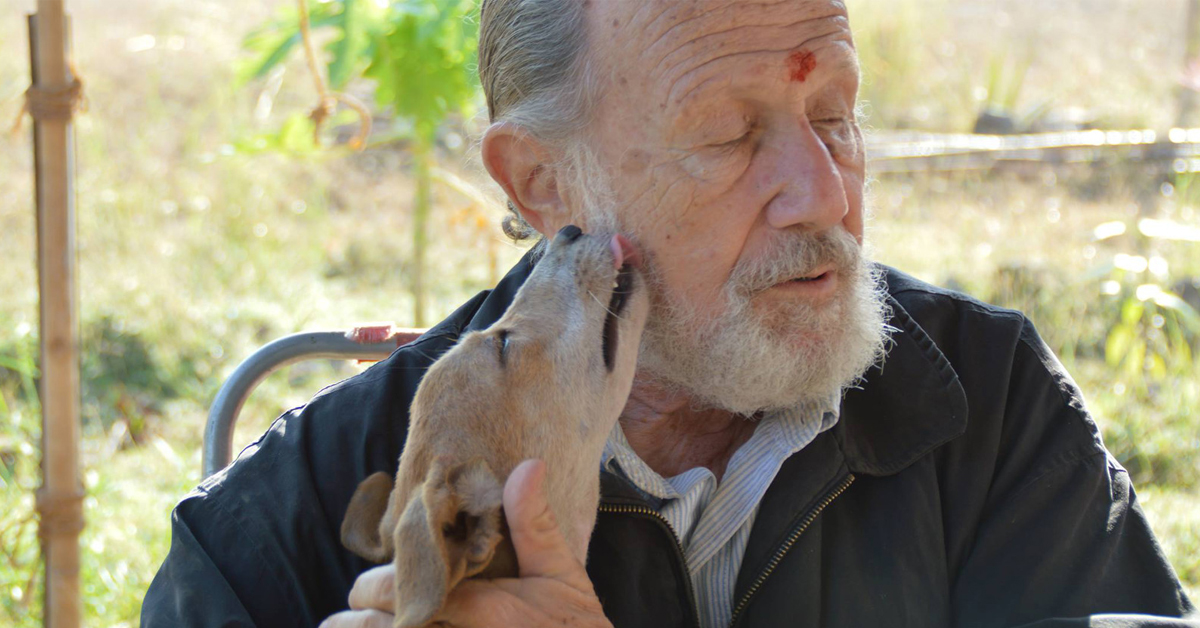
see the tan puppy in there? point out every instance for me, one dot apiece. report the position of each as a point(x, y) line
point(548, 381)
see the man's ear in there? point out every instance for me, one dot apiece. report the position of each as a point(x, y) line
point(520, 164)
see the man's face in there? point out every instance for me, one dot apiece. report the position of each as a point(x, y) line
point(736, 161)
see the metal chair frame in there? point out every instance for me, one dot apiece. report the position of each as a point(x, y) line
point(368, 343)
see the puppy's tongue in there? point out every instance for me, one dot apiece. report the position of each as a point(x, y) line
point(624, 252)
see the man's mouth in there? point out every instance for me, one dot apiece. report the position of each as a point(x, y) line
point(817, 274)
point(810, 278)
point(622, 287)
point(818, 283)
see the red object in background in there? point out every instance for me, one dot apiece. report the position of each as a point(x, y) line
point(372, 334)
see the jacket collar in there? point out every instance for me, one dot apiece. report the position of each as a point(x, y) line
point(902, 410)
point(905, 407)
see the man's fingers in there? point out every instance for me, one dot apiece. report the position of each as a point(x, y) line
point(475, 603)
point(507, 602)
point(375, 589)
point(358, 619)
point(541, 549)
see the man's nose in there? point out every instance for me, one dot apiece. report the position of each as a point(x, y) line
point(812, 194)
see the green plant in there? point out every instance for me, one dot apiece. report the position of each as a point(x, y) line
point(1154, 335)
point(417, 54)
point(1153, 332)
point(1005, 80)
point(20, 415)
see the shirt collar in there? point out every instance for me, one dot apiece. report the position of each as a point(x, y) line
point(787, 431)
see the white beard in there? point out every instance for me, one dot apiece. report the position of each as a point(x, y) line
point(745, 361)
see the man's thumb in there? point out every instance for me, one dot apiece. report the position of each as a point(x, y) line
point(541, 549)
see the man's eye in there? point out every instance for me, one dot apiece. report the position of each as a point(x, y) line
point(830, 124)
point(833, 133)
point(731, 144)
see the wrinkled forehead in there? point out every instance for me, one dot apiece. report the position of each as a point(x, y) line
point(672, 48)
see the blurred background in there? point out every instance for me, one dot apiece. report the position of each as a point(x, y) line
point(209, 223)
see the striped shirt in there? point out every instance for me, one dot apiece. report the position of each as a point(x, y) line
point(712, 520)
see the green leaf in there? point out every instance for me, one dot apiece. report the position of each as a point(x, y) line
point(272, 43)
point(1188, 314)
point(350, 49)
point(271, 54)
point(24, 367)
point(1131, 311)
point(421, 66)
point(295, 137)
point(296, 134)
point(1117, 345)
point(1157, 367)
point(1135, 360)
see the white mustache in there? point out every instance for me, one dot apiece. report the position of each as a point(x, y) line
point(795, 254)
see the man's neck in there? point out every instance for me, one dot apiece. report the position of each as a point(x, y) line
point(671, 436)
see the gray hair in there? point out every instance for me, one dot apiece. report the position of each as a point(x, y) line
point(535, 75)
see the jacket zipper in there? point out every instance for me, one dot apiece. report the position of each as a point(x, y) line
point(787, 546)
point(687, 577)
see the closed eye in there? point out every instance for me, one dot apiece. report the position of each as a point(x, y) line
point(834, 133)
point(501, 344)
point(830, 124)
point(731, 144)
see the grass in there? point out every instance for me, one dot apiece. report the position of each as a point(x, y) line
point(929, 64)
point(192, 252)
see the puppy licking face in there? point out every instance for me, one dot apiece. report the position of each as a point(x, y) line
point(548, 380)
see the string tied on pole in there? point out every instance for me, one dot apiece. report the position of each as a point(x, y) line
point(60, 103)
point(59, 513)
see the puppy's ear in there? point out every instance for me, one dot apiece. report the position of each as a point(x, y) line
point(448, 532)
point(360, 527)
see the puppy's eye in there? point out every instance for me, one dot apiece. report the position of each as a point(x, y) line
point(502, 343)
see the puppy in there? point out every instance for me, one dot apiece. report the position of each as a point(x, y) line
point(548, 380)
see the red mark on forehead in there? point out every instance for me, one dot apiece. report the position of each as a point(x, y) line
point(800, 64)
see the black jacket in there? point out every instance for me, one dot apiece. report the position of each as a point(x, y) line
point(964, 485)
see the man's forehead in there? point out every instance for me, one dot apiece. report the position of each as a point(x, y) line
point(659, 17)
point(668, 41)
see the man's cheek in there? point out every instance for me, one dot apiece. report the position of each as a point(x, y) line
point(716, 169)
point(635, 162)
point(663, 205)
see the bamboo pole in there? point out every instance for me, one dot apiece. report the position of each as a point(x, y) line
point(51, 102)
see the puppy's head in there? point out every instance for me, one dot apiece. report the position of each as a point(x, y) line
point(563, 356)
point(559, 364)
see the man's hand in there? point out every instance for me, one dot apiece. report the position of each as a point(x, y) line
point(553, 588)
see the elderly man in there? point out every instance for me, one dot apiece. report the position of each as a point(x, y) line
point(811, 439)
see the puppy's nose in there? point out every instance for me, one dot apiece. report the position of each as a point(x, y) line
point(569, 233)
